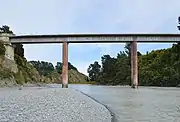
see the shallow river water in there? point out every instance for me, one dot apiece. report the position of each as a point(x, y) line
point(146, 104)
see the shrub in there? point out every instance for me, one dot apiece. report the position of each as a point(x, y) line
point(19, 78)
point(4, 73)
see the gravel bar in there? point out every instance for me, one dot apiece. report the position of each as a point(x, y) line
point(50, 105)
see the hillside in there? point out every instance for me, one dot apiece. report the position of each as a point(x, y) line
point(16, 72)
point(20, 71)
point(27, 73)
point(51, 74)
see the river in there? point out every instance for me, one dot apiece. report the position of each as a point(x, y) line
point(146, 104)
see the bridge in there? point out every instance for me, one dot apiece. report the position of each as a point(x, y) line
point(95, 38)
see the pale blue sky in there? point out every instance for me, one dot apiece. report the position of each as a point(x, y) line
point(88, 16)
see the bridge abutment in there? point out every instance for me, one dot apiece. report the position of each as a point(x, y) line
point(65, 65)
point(8, 58)
point(9, 53)
point(134, 65)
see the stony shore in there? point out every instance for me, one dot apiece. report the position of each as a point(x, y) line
point(49, 105)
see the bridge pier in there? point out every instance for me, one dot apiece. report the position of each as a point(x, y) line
point(134, 65)
point(65, 65)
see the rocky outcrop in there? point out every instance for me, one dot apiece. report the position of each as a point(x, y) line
point(7, 82)
point(10, 64)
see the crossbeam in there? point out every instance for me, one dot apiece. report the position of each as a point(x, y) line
point(95, 38)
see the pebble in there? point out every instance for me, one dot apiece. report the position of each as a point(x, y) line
point(50, 105)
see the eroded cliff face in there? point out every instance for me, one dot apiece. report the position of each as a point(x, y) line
point(6, 75)
point(17, 72)
point(7, 68)
point(10, 64)
point(8, 82)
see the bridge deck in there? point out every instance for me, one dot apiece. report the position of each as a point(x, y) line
point(95, 38)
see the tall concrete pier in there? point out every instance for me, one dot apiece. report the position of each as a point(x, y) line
point(65, 65)
point(134, 65)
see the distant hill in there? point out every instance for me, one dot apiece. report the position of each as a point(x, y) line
point(51, 74)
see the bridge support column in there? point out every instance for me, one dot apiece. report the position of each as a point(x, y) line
point(134, 65)
point(65, 65)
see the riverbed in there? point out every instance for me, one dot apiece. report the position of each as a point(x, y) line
point(42, 104)
point(146, 104)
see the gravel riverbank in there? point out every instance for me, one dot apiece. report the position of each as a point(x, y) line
point(49, 105)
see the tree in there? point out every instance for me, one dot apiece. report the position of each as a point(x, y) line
point(5, 29)
point(19, 50)
point(70, 66)
point(59, 67)
point(156, 68)
point(122, 69)
point(108, 69)
point(128, 49)
point(44, 68)
point(94, 71)
point(139, 53)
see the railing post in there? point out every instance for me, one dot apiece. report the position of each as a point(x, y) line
point(65, 65)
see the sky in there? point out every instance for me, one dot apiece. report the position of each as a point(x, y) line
point(88, 16)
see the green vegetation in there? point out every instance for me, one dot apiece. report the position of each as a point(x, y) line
point(4, 73)
point(52, 74)
point(157, 68)
point(2, 49)
point(77, 77)
point(5, 29)
point(41, 72)
point(20, 79)
point(19, 50)
point(27, 73)
point(33, 71)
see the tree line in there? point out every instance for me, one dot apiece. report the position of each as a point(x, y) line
point(156, 68)
point(46, 68)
